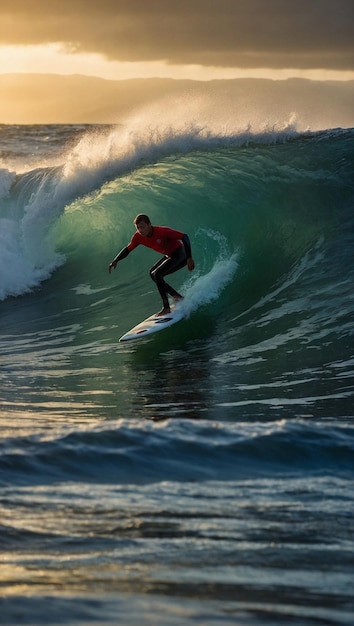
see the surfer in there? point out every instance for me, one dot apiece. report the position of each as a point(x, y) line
point(173, 244)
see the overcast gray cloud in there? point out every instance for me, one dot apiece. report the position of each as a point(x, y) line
point(231, 33)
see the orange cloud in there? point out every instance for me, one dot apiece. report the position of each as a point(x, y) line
point(226, 33)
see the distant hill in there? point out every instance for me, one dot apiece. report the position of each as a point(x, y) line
point(45, 99)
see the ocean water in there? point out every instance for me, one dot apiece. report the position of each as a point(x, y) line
point(203, 476)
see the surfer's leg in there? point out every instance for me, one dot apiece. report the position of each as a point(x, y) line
point(161, 285)
point(176, 263)
point(165, 266)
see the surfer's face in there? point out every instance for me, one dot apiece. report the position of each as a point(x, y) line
point(144, 229)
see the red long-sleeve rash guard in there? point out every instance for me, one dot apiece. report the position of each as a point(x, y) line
point(163, 240)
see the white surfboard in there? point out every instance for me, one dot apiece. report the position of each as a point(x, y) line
point(153, 324)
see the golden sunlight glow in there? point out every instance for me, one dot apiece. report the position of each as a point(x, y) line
point(55, 59)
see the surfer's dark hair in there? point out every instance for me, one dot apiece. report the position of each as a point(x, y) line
point(142, 218)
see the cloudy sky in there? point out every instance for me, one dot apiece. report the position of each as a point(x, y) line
point(199, 39)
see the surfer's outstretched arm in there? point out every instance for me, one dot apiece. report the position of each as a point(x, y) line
point(120, 256)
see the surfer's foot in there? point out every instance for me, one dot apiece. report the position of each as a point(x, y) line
point(165, 311)
point(177, 297)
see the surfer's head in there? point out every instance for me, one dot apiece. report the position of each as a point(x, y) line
point(142, 218)
point(143, 225)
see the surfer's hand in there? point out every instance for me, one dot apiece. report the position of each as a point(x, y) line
point(113, 264)
point(190, 264)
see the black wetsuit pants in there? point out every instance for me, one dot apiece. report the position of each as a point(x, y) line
point(163, 267)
